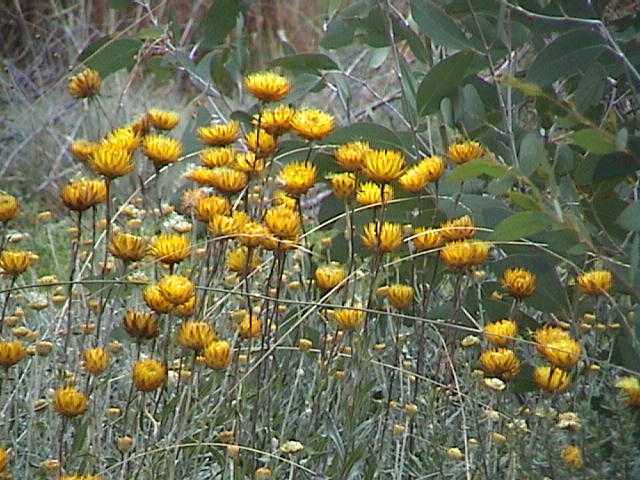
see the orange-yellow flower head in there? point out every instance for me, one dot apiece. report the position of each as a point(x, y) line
point(427, 239)
point(267, 86)
point(217, 354)
point(370, 193)
point(170, 248)
point(124, 138)
point(95, 360)
point(217, 157)
point(9, 207)
point(399, 295)
point(111, 161)
point(501, 333)
point(186, 309)
point(202, 176)
point(283, 199)
point(15, 262)
point(383, 166)
point(220, 134)
point(312, 124)
point(227, 225)
point(350, 156)
point(161, 150)
point(11, 353)
point(296, 178)
point(69, 402)
point(461, 228)
point(140, 325)
point(500, 362)
point(348, 318)
point(252, 234)
point(416, 177)
point(250, 326)
point(148, 375)
point(629, 390)
point(176, 289)
point(228, 180)
point(562, 352)
point(283, 222)
point(275, 121)
point(433, 167)
point(85, 84)
point(343, 185)
point(572, 457)
point(207, 207)
point(329, 276)
point(79, 195)
point(163, 119)
point(195, 335)
point(78, 476)
point(519, 283)
point(261, 143)
point(155, 300)
point(464, 152)
point(82, 150)
point(595, 282)
point(128, 247)
point(382, 238)
point(248, 163)
point(551, 379)
point(238, 260)
point(464, 254)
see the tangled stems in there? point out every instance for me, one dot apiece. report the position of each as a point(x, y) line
point(72, 273)
point(7, 297)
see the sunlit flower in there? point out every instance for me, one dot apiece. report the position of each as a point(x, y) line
point(551, 379)
point(501, 333)
point(343, 185)
point(176, 289)
point(79, 195)
point(312, 124)
point(383, 166)
point(141, 325)
point(11, 353)
point(201, 175)
point(370, 193)
point(207, 207)
point(414, 179)
point(9, 207)
point(426, 239)
point(329, 276)
point(69, 402)
point(348, 318)
point(464, 152)
point(500, 362)
point(126, 246)
point(15, 262)
point(283, 222)
point(161, 150)
point(267, 86)
point(227, 225)
point(220, 134)
point(247, 162)
point(399, 295)
point(111, 161)
point(163, 119)
point(261, 143)
point(350, 156)
point(141, 125)
point(250, 326)
point(464, 254)
point(195, 335)
point(630, 390)
point(549, 334)
point(148, 375)
point(4, 459)
point(82, 150)
point(155, 300)
point(228, 180)
point(572, 457)
point(382, 238)
point(252, 233)
point(276, 120)
point(95, 360)
point(296, 178)
point(562, 352)
point(518, 282)
point(185, 309)
point(433, 168)
point(238, 260)
point(170, 248)
point(461, 228)
point(217, 156)
point(217, 354)
point(595, 282)
point(85, 84)
point(124, 138)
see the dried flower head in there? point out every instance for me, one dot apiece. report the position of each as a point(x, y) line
point(84, 84)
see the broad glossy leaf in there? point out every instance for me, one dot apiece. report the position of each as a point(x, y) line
point(593, 140)
point(477, 168)
point(377, 135)
point(219, 21)
point(520, 225)
point(306, 62)
point(107, 56)
point(630, 217)
point(438, 26)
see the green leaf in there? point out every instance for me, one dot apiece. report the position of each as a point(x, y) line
point(339, 34)
point(532, 153)
point(306, 62)
point(630, 217)
point(443, 78)
point(520, 225)
point(476, 168)
point(120, 4)
point(107, 56)
point(219, 21)
point(438, 26)
point(593, 140)
point(566, 55)
point(377, 135)
point(523, 382)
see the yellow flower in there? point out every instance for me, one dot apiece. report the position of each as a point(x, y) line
point(207, 207)
point(370, 193)
point(185, 309)
point(217, 354)
point(276, 121)
point(217, 156)
point(414, 179)
point(500, 362)
point(124, 138)
point(4, 459)
point(433, 167)
point(572, 457)
point(161, 150)
point(595, 282)
point(176, 289)
point(562, 352)
point(350, 156)
point(252, 234)
point(220, 134)
point(267, 144)
point(329, 276)
point(148, 375)
point(464, 254)
point(400, 296)
point(426, 239)
point(15, 262)
point(69, 402)
point(85, 84)
point(267, 86)
point(461, 228)
point(250, 326)
point(11, 353)
point(348, 318)
point(195, 335)
point(464, 152)
point(501, 333)
point(128, 247)
point(82, 150)
point(383, 166)
point(549, 334)
point(111, 161)
point(296, 178)
point(170, 248)
point(96, 360)
point(201, 175)
point(283, 222)
point(227, 225)
point(80, 477)
point(518, 282)
point(283, 199)
point(228, 180)
point(9, 207)
point(140, 325)
point(248, 163)
point(382, 238)
point(79, 195)
point(551, 379)
point(155, 300)
point(312, 124)
point(163, 119)
point(141, 125)
point(343, 185)
point(238, 260)
point(629, 389)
